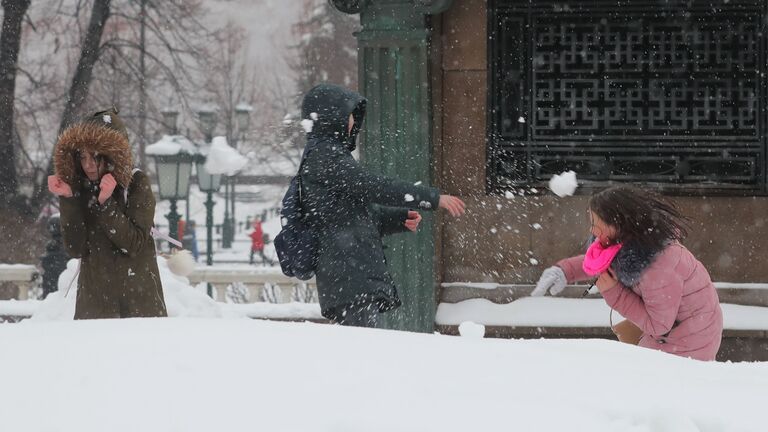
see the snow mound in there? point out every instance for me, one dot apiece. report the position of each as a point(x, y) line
point(181, 299)
point(202, 375)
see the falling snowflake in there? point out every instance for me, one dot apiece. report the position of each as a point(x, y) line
point(131, 273)
point(408, 197)
point(534, 261)
point(307, 124)
point(313, 116)
point(536, 226)
point(107, 118)
point(521, 119)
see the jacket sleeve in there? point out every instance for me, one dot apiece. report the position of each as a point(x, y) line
point(654, 311)
point(73, 233)
point(337, 170)
point(391, 220)
point(572, 267)
point(130, 231)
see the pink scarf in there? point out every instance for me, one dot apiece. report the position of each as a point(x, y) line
point(599, 258)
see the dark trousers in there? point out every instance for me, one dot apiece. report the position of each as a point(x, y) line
point(365, 315)
point(261, 255)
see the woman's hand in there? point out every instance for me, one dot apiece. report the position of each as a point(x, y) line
point(59, 187)
point(454, 205)
point(412, 223)
point(106, 187)
point(606, 281)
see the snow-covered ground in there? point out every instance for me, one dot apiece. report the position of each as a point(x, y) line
point(182, 374)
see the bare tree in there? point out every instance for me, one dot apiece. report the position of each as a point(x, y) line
point(130, 46)
point(10, 43)
point(156, 44)
point(89, 54)
point(327, 47)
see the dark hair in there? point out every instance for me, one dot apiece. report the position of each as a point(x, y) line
point(76, 154)
point(640, 216)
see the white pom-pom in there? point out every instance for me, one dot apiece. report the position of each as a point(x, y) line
point(181, 263)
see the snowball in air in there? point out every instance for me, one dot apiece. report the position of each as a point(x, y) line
point(563, 184)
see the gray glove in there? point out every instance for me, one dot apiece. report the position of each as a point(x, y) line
point(552, 280)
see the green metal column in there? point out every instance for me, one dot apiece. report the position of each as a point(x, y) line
point(393, 75)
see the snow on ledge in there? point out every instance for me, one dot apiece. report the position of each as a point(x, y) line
point(568, 312)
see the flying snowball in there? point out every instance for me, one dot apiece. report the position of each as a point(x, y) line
point(563, 184)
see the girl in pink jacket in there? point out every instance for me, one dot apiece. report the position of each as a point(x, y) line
point(653, 281)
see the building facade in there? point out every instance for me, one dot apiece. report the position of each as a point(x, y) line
point(670, 95)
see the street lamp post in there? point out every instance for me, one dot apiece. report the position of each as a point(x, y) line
point(208, 183)
point(243, 118)
point(174, 156)
point(173, 173)
point(170, 121)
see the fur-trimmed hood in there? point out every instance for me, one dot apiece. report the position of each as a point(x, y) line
point(100, 140)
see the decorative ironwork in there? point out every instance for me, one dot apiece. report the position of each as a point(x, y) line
point(668, 92)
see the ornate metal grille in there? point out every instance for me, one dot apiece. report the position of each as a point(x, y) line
point(661, 92)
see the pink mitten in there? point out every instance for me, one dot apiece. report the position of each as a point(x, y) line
point(599, 258)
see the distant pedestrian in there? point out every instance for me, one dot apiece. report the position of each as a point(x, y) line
point(189, 239)
point(257, 241)
point(107, 213)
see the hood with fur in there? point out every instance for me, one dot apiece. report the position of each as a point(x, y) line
point(100, 140)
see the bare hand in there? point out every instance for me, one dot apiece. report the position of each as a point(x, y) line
point(59, 187)
point(106, 187)
point(412, 223)
point(606, 280)
point(454, 205)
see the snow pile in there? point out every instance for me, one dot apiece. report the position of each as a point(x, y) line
point(171, 145)
point(242, 375)
point(472, 330)
point(563, 184)
point(223, 159)
point(180, 298)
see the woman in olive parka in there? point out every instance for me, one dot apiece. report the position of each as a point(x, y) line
point(352, 209)
point(107, 211)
